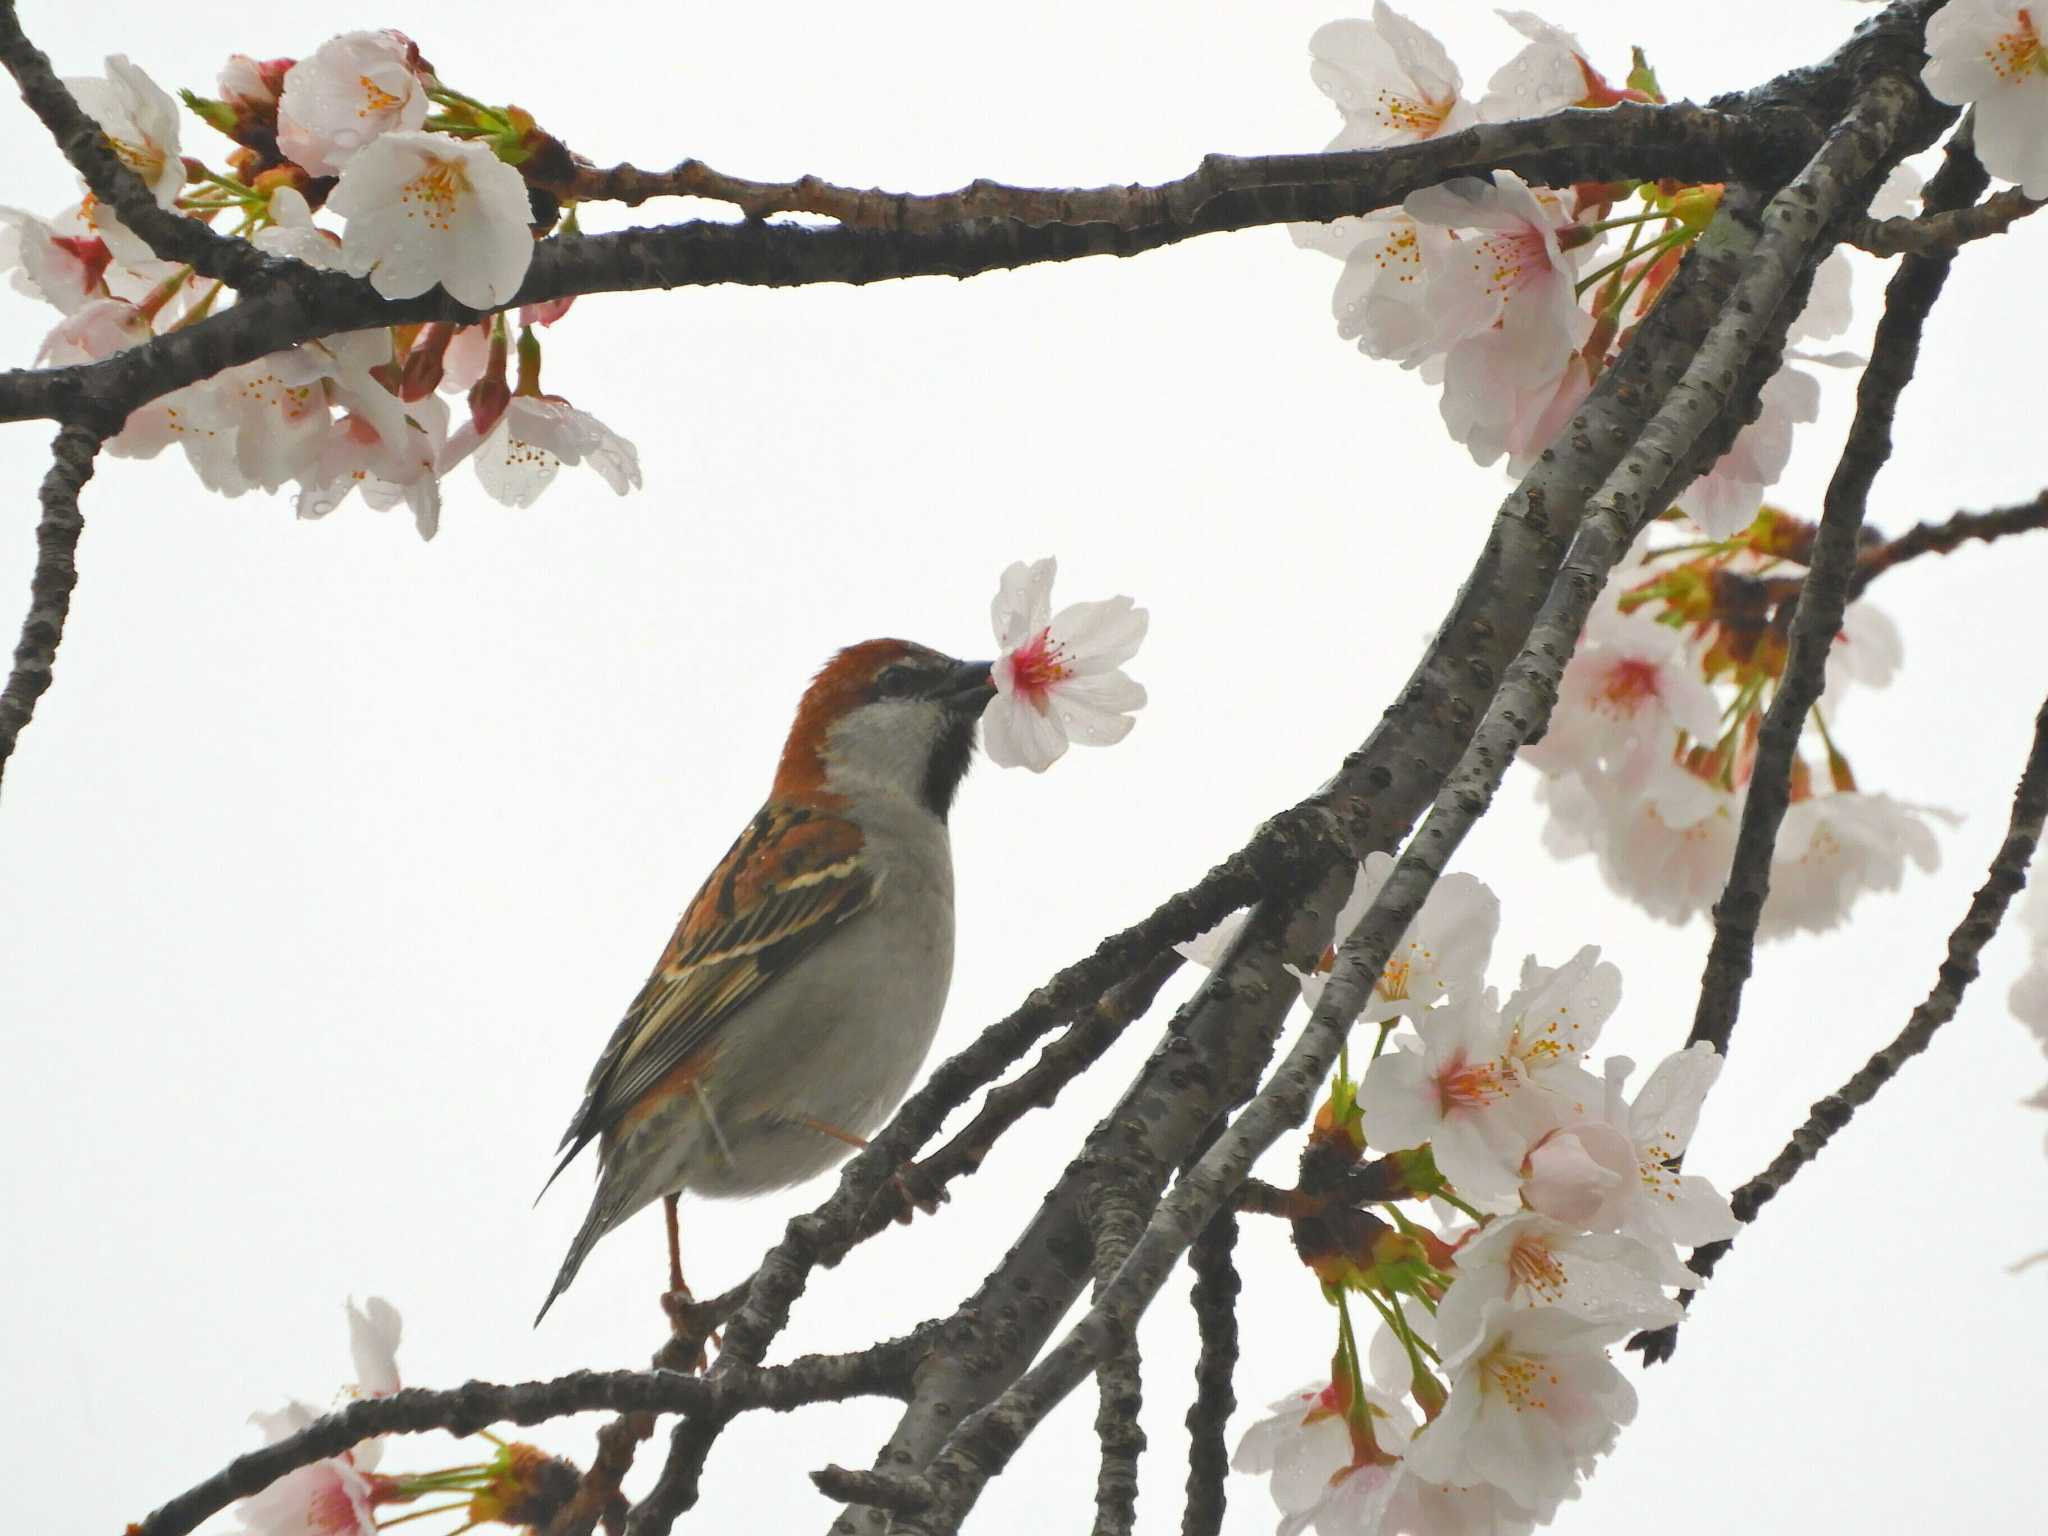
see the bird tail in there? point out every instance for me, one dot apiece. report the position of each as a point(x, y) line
point(603, 1214)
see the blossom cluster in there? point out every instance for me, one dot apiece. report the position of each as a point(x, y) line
point(1510, 296)
point(1647, 760)
point(429, 186)
point(341, 1495)
point(1487, 1393)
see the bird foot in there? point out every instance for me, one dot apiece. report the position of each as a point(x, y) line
point(687, 1333)
point(913, 1202)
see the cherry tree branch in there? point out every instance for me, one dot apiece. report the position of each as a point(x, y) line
point(1946, 537)
point(1823, 595)
point(1931, 234)
point(2005, 879)
point(56, 574)
point(1214, 1300)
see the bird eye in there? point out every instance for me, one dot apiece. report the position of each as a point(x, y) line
point(896, 681)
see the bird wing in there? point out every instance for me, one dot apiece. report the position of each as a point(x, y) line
point(791, 879)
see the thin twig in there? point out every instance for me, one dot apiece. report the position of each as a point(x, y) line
point(56, 574)
point(1933, 233)
point(1822, 597)
point(1944, 537)
point(2006, 877)
point(1214, 1300)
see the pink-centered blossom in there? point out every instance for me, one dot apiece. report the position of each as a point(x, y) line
point(535, 436)
point(1461, 1089)
point(1390, 78)
point(140, 121)
point(1058, 678)
point(344, 95)
point(388, 452)
point(63, 270)
point(1534, 1398)
point(1506, 268)
point(1666, 848)
point(334, 1497)
point(423, 208)
point(1989, 55)
point(1530, 1260)
point(1631, 690)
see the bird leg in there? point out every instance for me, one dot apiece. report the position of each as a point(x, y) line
point(676, 1301)
point(928, 1203)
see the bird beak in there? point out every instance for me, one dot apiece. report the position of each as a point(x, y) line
point(969, 685)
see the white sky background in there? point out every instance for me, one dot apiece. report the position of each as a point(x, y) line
point(331, 858)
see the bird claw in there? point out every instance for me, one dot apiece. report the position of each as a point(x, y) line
point(685, 1329)
point(929, 1202)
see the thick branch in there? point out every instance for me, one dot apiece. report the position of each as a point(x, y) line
point(2006, 877)
point(56, 573)
point(1115, 1219)
point(170, 235)
point(1818, 617)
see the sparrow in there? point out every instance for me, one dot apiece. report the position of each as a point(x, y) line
point(801, 990)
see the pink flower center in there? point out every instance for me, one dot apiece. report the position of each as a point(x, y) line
point(1627, 685)
point(1465, 1084)
point(1510, 260)
point(1036, 666)
point(2016, 54)
point(1416, 116)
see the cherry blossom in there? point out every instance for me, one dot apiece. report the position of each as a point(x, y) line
point(328, 1498)
point(536, 435)
point(373, 1334)
point(423, 208)
point(1988, 55)
point(1460, 1089)
point(386, 450)
point(95, 329)
point(1502, 397)
point(1533, 1399)
point(346, 93)
point(1548, 75)
point(1441, 956)
point(1379, 298)
point(1610, 1169)
point(2028, 998)
point(1530, 1260)
point(1831, 849)
point(1390, 78)
point(1514, 273)
point(1724, 500)
point(1631, 688)
point(1059, 678)
point(1868, 651)
point(1555, 1015)
point(140, 122)
point(62, 270)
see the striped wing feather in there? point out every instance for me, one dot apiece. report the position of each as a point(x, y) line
point(792, 878)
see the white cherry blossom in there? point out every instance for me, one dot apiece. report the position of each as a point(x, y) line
point(1833, 848)
point(1628, 692)
point(327, 1498)
point(386, 450)
point(1530, 1260)
point(1462, 1090)
point(373, 1334)
point(2028, 998)
point(346, 93)
point(1508, 393)
point(1556, 1015)
point(1512, 272)
point(423, 208)
point(1534, 1399)
point(534, 437)
point(1868, 652)
point(140, 121)
point(1724, 500)
point(1390, 78)
point(1441, 956)
point(1988, 54)
point(63, 270)
point(1608, 1169)
point(1058, 678)
point(1379, 298)
point(1548, 75)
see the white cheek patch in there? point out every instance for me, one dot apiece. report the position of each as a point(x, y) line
point(885, 746)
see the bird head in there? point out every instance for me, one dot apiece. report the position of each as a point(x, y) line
point(886, 718)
